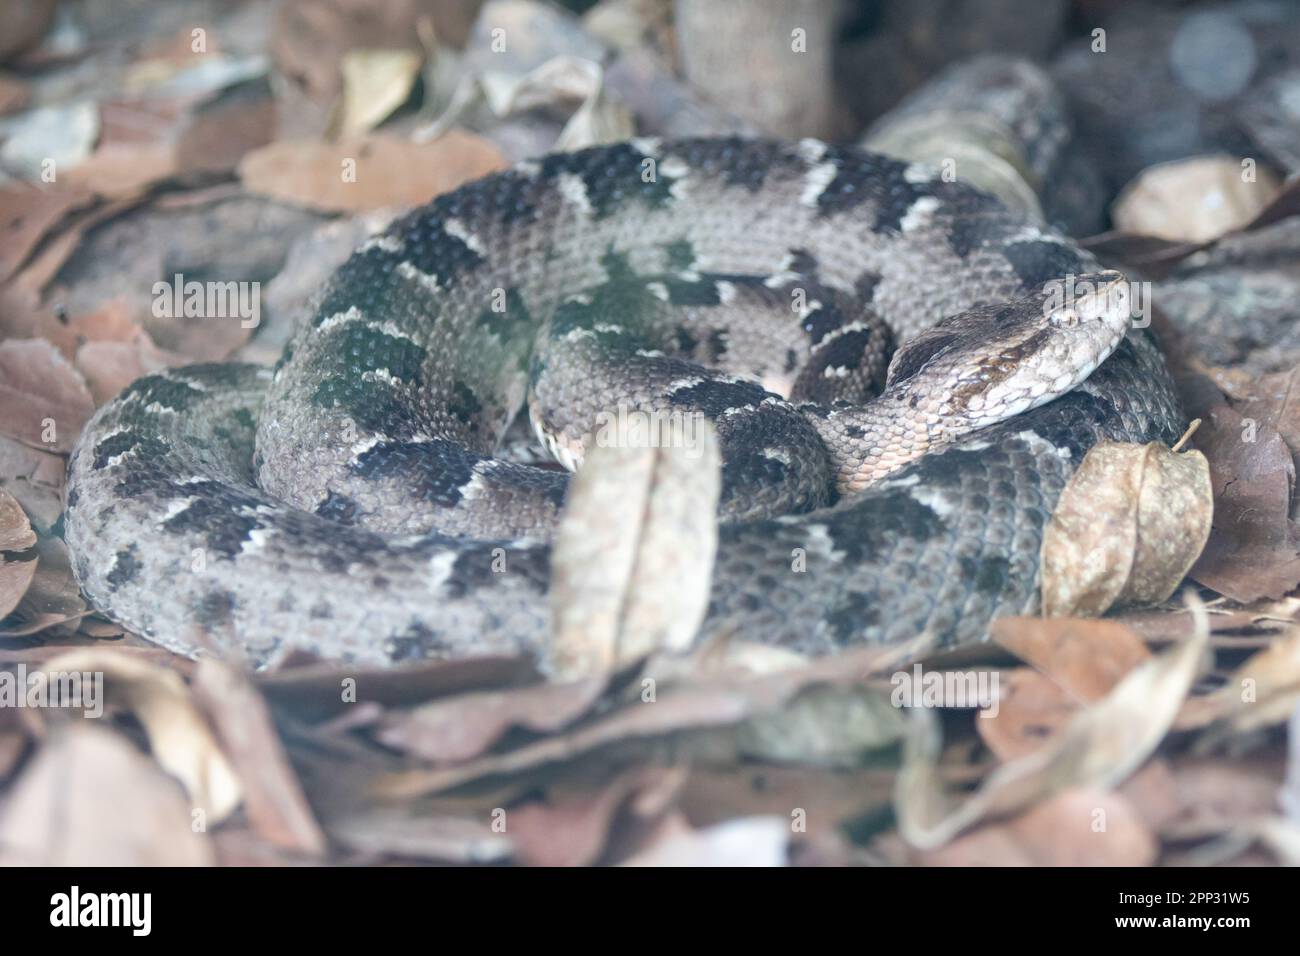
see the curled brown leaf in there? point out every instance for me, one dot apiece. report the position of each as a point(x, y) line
point(1127, 528)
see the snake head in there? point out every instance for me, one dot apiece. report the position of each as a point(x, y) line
point(987, 364)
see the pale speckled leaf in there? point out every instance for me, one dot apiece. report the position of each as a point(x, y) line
point(633, 555)
point(1126, 530)
point(375, 83)
point(15, 530)
point(1099, 747)
point(1193, 200)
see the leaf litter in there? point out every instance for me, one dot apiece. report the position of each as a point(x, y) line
point(1175, 728)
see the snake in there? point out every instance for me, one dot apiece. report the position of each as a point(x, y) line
point(898, 388)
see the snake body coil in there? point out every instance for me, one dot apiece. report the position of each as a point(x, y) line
point(348, 504)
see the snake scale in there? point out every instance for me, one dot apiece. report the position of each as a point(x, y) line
point(348, 503)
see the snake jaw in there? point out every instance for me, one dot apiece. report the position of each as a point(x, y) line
point(982, 367)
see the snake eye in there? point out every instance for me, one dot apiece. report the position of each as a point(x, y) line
point(1068, 318)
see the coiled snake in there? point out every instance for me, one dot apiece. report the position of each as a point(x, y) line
point(348, 504)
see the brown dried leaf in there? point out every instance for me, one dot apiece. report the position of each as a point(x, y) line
point(15, 530)
point(14, 94)
point(124, 170)
point(1075, 828)
point(572, 828)
point(1254, 548)
point(15, 535)
point(39, 386)
point(15, 578)
point(1218, 793)
point(310, 39)
point(1262, 692)
point(220, 132)
point(1273, 401)
point(723, 700)
point(1099, 747)
point(389, 171)
point(314, 690)
point(274, 800)
point(1084, 657)
point(89, 798)
point(1127, 528)
point(828, 800)
point(464, 726)
point(27, 214)
point(633, 555)
point(180, 738)
point(1031, 709)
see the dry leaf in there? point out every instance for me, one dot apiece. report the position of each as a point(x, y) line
point(572, 829)
point(563, 79)
point(1254, 549)
point(89, 798)
point(25, 25)
point(15, 535)
point(35, 478)
point(1262, 692)
point(124, 170)
point(273, 797)
point(44, 401)
point(707, 704)
point(828, 800)
point(1099, 747)
point(27, 214)
point(15, 579)
point(310, 39)
point(15, 530)
point(1031, 709)
point(633, 556)
point(375, 84)
point(1274, 402)
point(14, 95)
point(1193, 200)
point(466, 725)
point(315, 690)
point(1127, 528)
point(389, 171)
point(180, 738)
point(1074, 828)
point(1084, 657)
